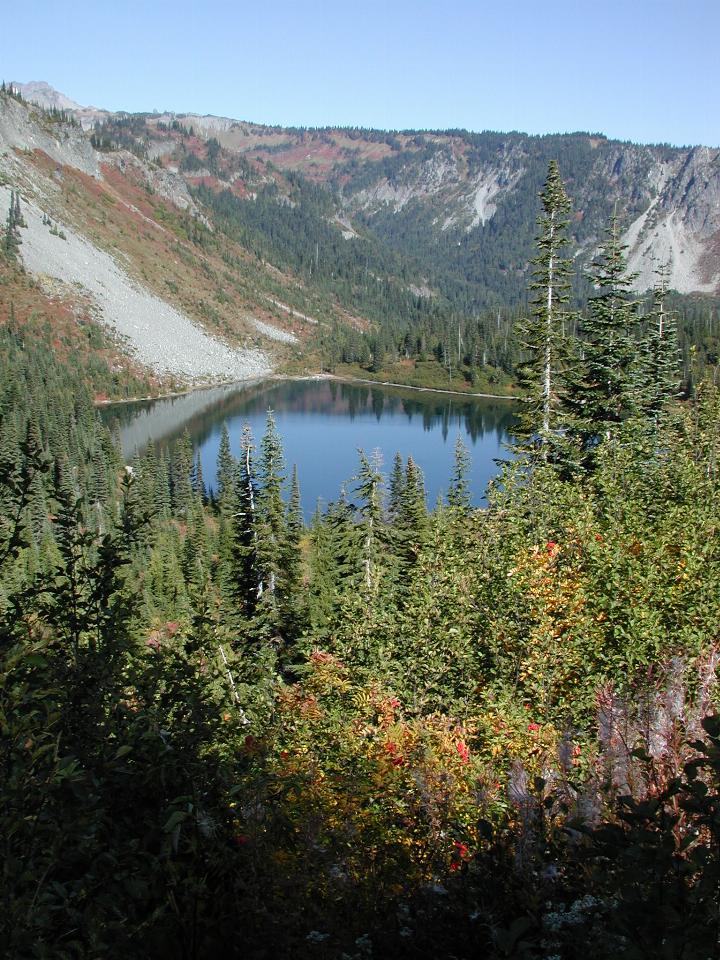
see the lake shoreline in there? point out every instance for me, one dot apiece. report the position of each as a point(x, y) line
point(391, 383)
point(322, 423)
point(307, 377)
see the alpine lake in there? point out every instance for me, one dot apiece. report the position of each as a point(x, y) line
point(323, 424)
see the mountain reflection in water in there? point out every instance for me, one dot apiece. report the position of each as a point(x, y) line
point(322, 424)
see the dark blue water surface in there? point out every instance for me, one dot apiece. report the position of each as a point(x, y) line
point(322, 424)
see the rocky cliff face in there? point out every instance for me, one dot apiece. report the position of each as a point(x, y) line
point(681, 225)
point(668, 199)
point(20, 130)
point(463, 204)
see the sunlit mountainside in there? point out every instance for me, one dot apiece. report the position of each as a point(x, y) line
point(360, 244)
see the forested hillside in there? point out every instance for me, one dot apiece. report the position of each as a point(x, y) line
point(427, 235)
point(393, 733)
point(396, 255)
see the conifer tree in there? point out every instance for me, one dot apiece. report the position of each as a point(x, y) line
point(163, 499)
point(323, 572)
point(13, 222)
point(245, 584)
point(600, 392)
point(195, 565)
point(146, 480)
point(414, 506)
point(459, 492)
point(181, 473)
point(410, 528)
point(543, 334)
point(198, 480)
point(290, 596)
point(396, 489)
point(294, 529)
point(335, 560)
point(658, 375)
point(226, 470)
point(369, 486)
point(271, 527)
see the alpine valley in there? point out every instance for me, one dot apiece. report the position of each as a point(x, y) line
point(232, 730)
point(396, 253)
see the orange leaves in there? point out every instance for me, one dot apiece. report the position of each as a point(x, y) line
point(379, 793)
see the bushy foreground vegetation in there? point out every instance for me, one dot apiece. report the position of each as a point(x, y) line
point(464, 733)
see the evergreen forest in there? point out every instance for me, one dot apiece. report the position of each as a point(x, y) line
point(391, 732)
point(432, 307)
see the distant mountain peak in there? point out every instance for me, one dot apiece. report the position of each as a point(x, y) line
point(40, 92)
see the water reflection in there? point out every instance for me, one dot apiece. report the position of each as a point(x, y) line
point(323, 423)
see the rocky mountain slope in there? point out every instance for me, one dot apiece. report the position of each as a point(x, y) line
point(120, 240)
point(261, 236)
point(467, 202)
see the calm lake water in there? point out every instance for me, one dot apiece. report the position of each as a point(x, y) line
point(322, 424)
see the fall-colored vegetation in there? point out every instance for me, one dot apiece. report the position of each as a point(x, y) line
point(393, 733)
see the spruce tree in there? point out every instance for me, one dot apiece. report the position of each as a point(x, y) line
point(396, 489)
point(600, 392)
point(226, 470)
point(410, 528)
point(323, 570)
point(290, 595)
point(658, 375)
point(181, 474)
point(459, 492)
point(542, 335)
point(163, 499)
point(335, 559)
point(198, 480)
point(271, 528)
point(13, 222)
point(369, 486)
point(244, 580)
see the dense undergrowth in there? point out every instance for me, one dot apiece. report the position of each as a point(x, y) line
point(468, 733)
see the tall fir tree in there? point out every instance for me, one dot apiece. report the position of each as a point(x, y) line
point(410, 528)
point(369, 486)
point(291, 598)
point(600, 392)
point(244, 580)
point(181, 475)
point(197, 480)
point(658, 374)
point(226, 471)
point(272, 530)
point(543, 334)
point(459, 492)
point(335, 561)
point(396, 489)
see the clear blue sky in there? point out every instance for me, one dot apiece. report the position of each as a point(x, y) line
point(644, 70)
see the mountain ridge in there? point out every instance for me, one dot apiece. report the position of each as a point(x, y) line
point(364, 228)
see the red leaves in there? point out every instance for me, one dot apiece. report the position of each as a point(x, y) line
point(395, 758)
point(460, 854)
